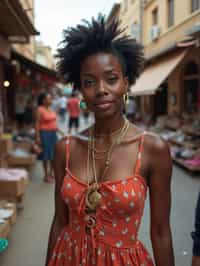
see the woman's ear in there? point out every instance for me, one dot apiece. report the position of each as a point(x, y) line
point(126, 84)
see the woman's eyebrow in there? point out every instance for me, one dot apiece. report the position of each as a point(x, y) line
point(107, 71)
point(88, 74)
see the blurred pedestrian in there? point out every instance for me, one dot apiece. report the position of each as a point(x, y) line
point(46, 134)
point(131, 109)
point(55, 103)
point(21, 98)
point(196, 235)
point(29, 113)
point(74, 111)
point(62, 106)
point(86, 116)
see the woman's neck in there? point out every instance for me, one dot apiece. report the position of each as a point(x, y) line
point(47, 107)
point(108, 125)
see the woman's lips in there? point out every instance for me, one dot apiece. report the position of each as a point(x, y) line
point(103, 105)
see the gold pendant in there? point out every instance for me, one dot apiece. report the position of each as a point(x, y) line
point(93, 198)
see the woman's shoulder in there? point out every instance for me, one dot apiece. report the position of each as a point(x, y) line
point(73, 141)
point(152, 142)
point(80, 139)
point(156, 151)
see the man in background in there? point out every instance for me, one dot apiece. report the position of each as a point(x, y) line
point(62, 104)
point(74, 111)
point(131, 109)
point(196, 236)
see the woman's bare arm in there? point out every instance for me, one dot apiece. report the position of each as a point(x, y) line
point(60, 219)
point(160, 200)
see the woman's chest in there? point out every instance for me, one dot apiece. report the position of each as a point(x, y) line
point(48, 116)
point(124, 196)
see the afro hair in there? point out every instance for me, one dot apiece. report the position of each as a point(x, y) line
point(97, 36)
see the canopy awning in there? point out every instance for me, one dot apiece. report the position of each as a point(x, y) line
point(48, 73)
point(155, 74)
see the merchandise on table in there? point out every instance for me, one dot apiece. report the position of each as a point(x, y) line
point(13, 183)
point(21, 158)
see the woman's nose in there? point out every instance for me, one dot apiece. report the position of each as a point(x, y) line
point(101, 88)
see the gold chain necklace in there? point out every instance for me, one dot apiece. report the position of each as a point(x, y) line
point(100, 154)
point(110, 151)
point(93, 196)
point(116, 132)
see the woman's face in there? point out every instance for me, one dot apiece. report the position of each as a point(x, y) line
point(48, 100)
point(103, 84)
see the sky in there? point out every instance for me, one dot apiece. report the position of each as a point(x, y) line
point(51, 17)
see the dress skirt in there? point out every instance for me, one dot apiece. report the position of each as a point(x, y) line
point(48, 141)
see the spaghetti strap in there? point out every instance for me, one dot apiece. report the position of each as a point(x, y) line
point(67, 152)
point(139, 155)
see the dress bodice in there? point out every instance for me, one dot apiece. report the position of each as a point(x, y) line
point(119, 216)
point(113, 241)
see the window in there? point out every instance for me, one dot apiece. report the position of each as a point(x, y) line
point(155, 16)
point(135, 31)
point(125, 5)
point(191, 69)
point(195, 5)
point(170, 13)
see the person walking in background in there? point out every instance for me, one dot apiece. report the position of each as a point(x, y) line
point(55, 103)
point(196, 236)
point(62, 104)
point(46, 134)
point(21, 98)
point(131, 109)
point(29, 113)
point(74, 111)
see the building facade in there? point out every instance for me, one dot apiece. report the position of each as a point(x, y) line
point(44, 55)
point(21, 77)
point(130, 16)
point(15, 27)
point(169, 32)
point(27, 49)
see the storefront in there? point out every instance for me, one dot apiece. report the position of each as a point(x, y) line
point(15, 27)
point(153, 86)
point(28, 80)
point(184, 88)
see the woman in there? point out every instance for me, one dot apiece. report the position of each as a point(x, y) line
point(102, 176)
point(46, 129)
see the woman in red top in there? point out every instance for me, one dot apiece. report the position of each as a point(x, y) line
point(46, 134)
point(102, 175)
point(74, 111)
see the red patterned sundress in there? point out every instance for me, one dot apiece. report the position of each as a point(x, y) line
point(114, 239)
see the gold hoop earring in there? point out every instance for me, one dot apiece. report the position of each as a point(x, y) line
point(126, 98)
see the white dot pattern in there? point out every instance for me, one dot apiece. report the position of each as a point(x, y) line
point(113, 240)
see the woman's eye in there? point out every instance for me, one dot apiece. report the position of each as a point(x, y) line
point(112, 79)
point(88, 82)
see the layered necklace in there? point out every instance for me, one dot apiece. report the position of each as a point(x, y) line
point(93, 196)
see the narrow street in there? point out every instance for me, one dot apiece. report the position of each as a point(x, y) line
point(28, 240)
